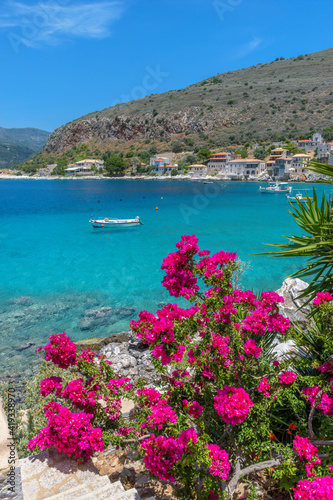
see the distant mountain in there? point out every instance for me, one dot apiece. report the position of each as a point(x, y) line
point(18, 144)
point(283, 98)
point(11, 154)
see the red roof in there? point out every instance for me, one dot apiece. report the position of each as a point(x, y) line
point(304, 140)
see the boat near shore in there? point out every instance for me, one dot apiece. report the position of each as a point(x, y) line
point(112, 223)
point(276, 187)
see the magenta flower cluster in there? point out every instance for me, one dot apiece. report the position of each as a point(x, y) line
point(232, 404)
point(70, 433)
point(287, 378)
point(321, 298)
point(220, 466)
point(306, 451)
point(60, 350)
point(320, 488)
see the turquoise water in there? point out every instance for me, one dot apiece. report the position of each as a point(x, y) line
point(54, 267)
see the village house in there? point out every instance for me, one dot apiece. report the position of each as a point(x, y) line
point(298, 165)
point(310, 145)
point(323, 153)
point(98, 164)
point(84, 167)
point(163, 169)
point(217, 162)
point(281, 167)
point(157, 161)
point(245, 167)
point(197, 170)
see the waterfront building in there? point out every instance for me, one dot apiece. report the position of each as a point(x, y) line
point(197, 170)
point(88, 164)
point(217, 162)
point(298, 165)
point(84, 167)
point(281, 168)
point(245, 167)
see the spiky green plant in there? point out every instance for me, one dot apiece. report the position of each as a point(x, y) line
point(315, 219)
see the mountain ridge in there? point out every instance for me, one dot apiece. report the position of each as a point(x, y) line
point(286, 97)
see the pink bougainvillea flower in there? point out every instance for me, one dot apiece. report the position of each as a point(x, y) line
point(264, 387)
point(321, 298)
point(60, 350)
point(287, 378)
point(220, 466)
point(321, 488)
point(232, 404)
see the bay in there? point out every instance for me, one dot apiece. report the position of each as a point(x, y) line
point(54, 267)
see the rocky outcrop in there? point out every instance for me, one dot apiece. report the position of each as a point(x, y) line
point(130, 358)
point(293, 307)
point(128, 128)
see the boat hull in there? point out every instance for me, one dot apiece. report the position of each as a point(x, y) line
point(111, 223)
point(103, 225)
point(274, 191)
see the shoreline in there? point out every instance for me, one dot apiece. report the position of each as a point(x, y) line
point(129, 178)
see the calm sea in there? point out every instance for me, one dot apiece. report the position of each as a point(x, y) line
point(54, 267)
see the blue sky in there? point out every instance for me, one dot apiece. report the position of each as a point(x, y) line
point(61, 59)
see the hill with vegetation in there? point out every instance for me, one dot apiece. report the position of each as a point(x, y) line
point(276, 101)
point(19, 144)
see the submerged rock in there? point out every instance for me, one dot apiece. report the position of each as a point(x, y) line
point(25, 346)
point(103, 316)
point(293, 307)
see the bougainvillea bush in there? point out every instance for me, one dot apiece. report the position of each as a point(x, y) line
point(216, 415)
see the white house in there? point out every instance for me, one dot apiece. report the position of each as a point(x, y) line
point(245, 167)
point(98, 164)
point(84, 167)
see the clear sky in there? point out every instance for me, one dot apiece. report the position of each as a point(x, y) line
point(61, 59)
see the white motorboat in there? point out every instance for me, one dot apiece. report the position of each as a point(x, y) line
point(108, 223)
point(275, 187)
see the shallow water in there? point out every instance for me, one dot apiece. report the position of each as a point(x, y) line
point(54, 267)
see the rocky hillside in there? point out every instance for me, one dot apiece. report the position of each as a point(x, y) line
point(267, 101)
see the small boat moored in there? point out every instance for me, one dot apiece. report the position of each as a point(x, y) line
point(276, 187)
point(298, 197)
point(106, 223)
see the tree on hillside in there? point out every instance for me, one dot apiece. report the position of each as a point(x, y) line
point(177, 147)
point(260, 153)
point(115, 164)
point(190, 159)
point(242, 152)
point(204, 154)
point(328, 134)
